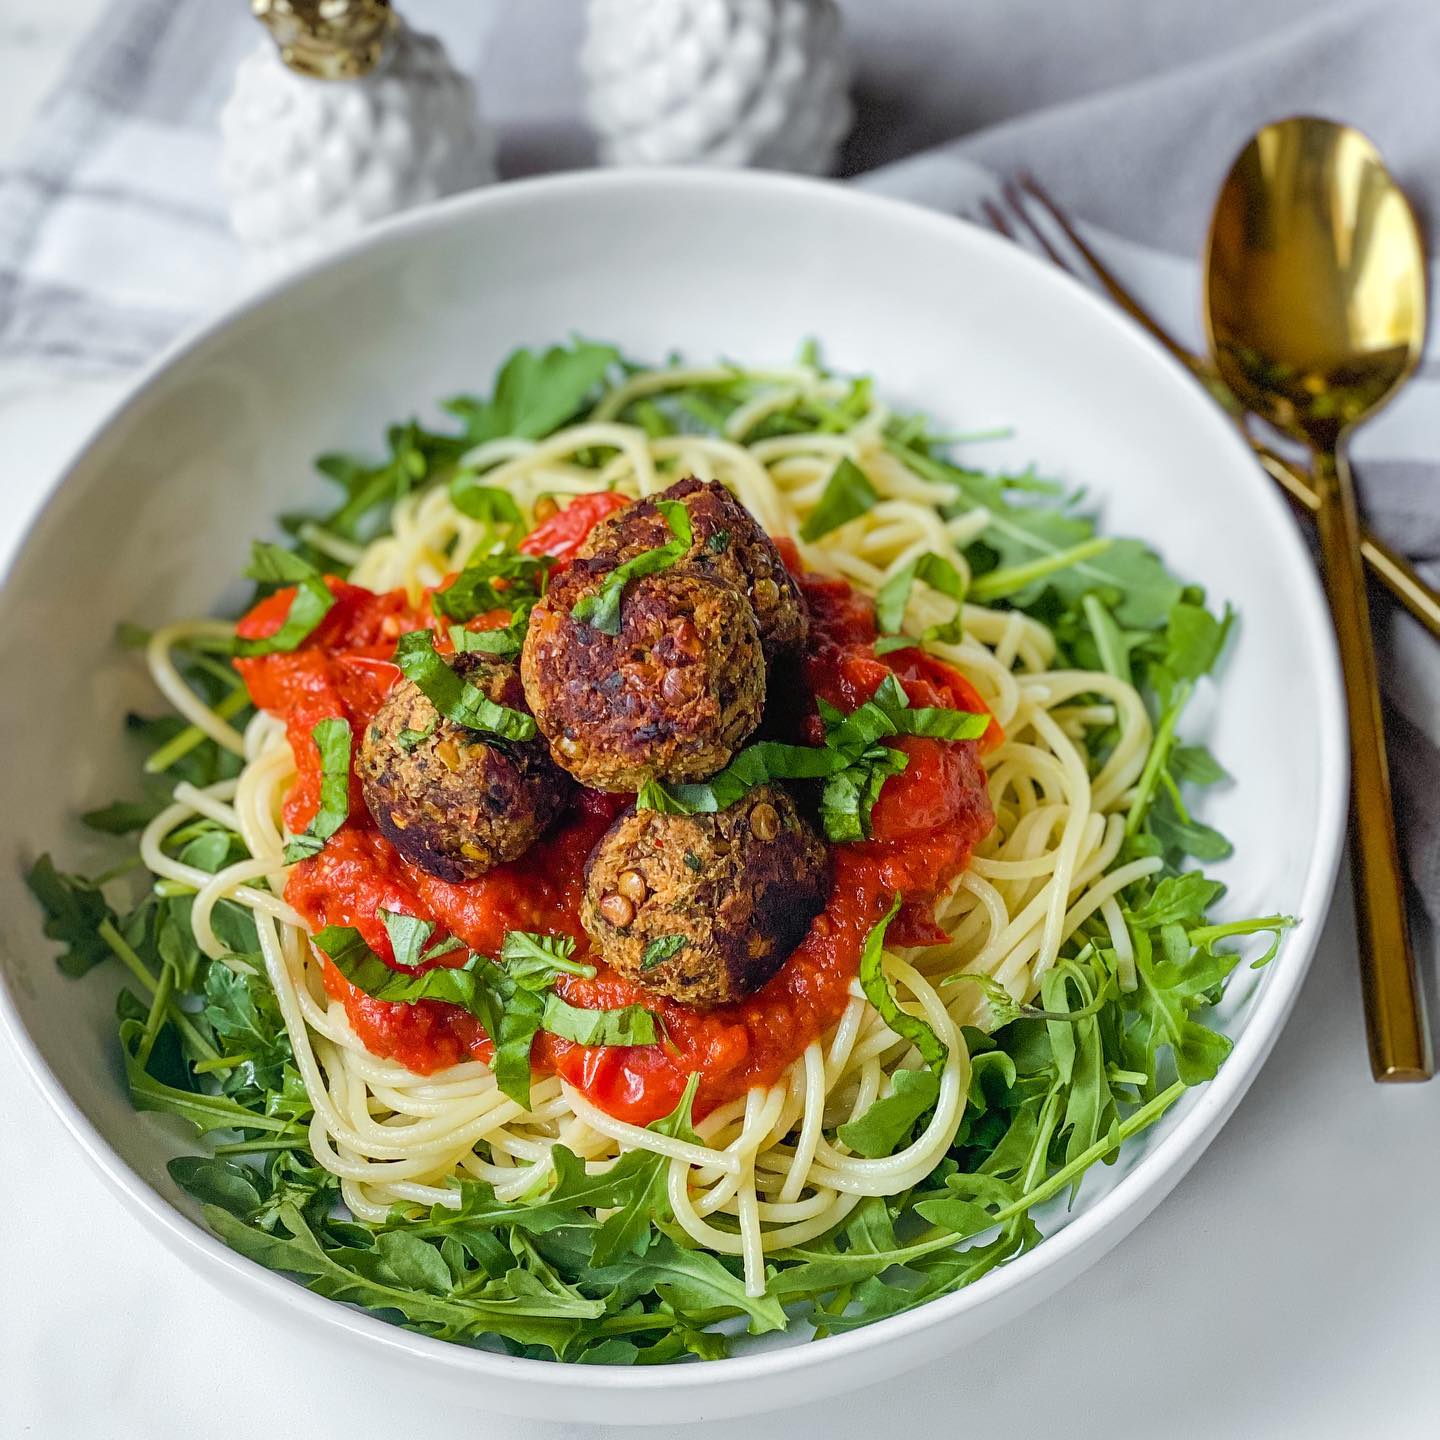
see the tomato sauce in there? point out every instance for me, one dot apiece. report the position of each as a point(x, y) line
point(923, 827)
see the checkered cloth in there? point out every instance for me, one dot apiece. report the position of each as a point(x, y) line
point(113, 236)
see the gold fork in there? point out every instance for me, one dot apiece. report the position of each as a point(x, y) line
point(1394, 571)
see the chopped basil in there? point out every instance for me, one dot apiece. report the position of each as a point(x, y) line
point(454, 698)
point(893, 597)
point(858, 738)
point(847, 494)
point(275, 565)
point(600, 608)
point(719, 542)
point(409, 935)
point(470, 496)
point(506, 641)
point(877, 991)
point(755, 765)
point(408, 739)
point(332, 739)
point(663, 947)
point(630, 1025)
point(272, 565)
point(508, 998)
point(850, 794)
point(854, 762)
point(692, 861)
point(508, 581)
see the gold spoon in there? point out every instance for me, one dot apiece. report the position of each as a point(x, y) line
point(1315, 306)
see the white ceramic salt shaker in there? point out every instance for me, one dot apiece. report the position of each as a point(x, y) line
point(349, 116)
point(717, 82)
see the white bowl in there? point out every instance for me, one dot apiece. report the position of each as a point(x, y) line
point(158, 512)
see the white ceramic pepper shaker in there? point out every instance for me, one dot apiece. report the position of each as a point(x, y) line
point(717, 82)
point(349, 116)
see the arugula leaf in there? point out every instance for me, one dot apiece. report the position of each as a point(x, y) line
point(877, 991)
point(536, 391)
point(628, 1025)
point(536, 960)
point(1176, 898)
point(212, 1181)
point(1195, 765)
point(332, 738)
point(890, 1119)
point(1127, 573)
point(690, 1279)
point(383, 1278)
point(244, 1017)
point(1163, 1007)
point(415, 457)
point(472, 497)
point(204, 1111)
point(124, 817)
point(74, 910)
point(1194, 639)
point(847, 495)
point(639, 1178)
point(600, 607)
point(455, 698)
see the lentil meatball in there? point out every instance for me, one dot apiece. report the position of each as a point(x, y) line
point(706, 908)
point(671, 697)
point(456, 801)
point(728, 543)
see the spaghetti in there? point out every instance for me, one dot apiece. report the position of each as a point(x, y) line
point(769, 1171)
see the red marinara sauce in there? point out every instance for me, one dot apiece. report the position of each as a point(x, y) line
point(923, 828)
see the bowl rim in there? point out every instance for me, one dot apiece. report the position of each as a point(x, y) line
point(1157, 1171)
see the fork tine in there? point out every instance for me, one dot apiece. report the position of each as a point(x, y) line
point(1025, 183)
point(997, 221)
point(1016, 203)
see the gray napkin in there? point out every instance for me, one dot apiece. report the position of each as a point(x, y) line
point(113, 239)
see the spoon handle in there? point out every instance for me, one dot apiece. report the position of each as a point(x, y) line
point(1393, 570)
point(1395, 1022)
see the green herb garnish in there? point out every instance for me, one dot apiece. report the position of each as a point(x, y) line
point(629, 1025)
point(332, 739)
point(454, 698)
point(663, 947)
point(846, 496)
point(270, 564)
point(601, 606)
point(877, 991)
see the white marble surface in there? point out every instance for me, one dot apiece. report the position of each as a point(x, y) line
point(1288, 1288)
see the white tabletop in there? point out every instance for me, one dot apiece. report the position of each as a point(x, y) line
point(1287, 1288)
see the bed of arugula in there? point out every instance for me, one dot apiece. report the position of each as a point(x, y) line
point(1056, 1087)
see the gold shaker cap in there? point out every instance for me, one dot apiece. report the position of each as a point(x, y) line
point(328, 39)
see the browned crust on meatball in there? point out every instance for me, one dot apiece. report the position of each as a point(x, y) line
point(458, 802)
point(671, 697)
point(740, 888)
point(728, 543)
